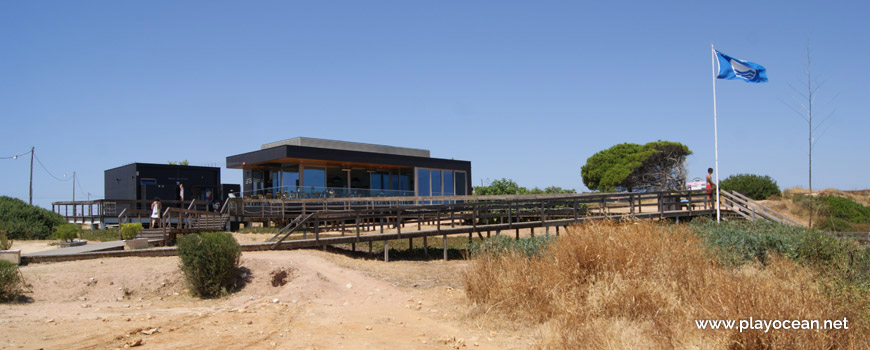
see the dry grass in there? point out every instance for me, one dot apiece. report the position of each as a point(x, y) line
point(606, 285)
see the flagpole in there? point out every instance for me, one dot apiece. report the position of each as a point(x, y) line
point(715, 133)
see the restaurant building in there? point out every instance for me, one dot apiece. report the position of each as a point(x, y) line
point(305, 167)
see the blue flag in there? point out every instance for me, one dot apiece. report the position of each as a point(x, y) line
point(732, 68)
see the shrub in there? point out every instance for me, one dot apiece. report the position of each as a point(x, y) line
point(105, 235)
point(66, 232)
point(11, 284)
point(129, 231)
point(847, 209)
point(22, 221)
point(5, 244)
point(753, 186)
point(209, 262)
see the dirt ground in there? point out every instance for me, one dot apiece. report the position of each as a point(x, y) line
point(327, 301)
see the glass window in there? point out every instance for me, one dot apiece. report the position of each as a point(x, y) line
point(460, 183)
point(315, 179)
point(290, 179)
point(335, 177)
point(448, 182)
point(423, 182)
point(257, 182)
point(359, 179)
point(404, 183)
point(377, 181)
point(436, 182)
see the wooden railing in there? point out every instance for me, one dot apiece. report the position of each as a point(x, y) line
point(602, 202)
point(743, 206)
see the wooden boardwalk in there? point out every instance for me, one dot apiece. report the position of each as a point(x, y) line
point(318, 223)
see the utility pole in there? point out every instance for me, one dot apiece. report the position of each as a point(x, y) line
point(810, 115)
point(32, 150)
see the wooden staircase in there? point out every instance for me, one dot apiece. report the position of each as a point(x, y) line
point(298, 222)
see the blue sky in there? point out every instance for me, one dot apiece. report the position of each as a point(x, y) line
point(524, 90)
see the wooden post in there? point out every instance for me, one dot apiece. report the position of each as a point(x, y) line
point(544, 219)
point(386, 251)
point(444, 241)
point(398, 223)
point(575, 209)
point(631, 203)
point(510, 208)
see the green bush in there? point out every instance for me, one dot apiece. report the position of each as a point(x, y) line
point(129, 231)
point(209, 262)
point(5, 243)
point(847, 209)
point(66, 232)
point(22, 221)
point(832, 224)
point(11, 284)
point(742, 241)
point(753, 186)
point(104, 235)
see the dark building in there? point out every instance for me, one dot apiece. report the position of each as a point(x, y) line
point(142, 181)
point(314, 168)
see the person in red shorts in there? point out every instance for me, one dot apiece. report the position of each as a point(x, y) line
point(710, 185)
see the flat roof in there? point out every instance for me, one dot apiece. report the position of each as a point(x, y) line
point(159, 165)
point(348, 146)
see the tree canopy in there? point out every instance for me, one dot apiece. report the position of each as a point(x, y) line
point(510, 187)
point(658, 165)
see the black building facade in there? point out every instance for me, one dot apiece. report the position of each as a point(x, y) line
point(144, 181)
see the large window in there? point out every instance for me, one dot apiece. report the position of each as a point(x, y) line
point(423, 182)
point(290, 179)
point(438, 182)
point(315, 179)
point(448, 182)
point(460, 183)
point(435, 176)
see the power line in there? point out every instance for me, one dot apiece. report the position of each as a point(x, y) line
point(49, 173)
point(80, 186)
point(15, 156)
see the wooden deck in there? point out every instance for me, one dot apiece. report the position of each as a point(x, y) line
point(317, 223)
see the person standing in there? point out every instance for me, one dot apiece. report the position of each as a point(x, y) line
point(710, 185)
point(181, 193)
point(155, 212)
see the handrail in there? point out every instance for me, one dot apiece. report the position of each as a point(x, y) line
point(761, 207)
point(756, 208)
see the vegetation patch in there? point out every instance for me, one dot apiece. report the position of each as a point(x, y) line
point(606, 285)
point(129, 231)
point(834, 213)
point(210, 262)
point(105, 235)
point(66, 232)
point(11, 283)
point(504, 245)
point(756, 187)
point(22, 221)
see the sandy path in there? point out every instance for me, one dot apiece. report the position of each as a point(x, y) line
point(326, 303)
